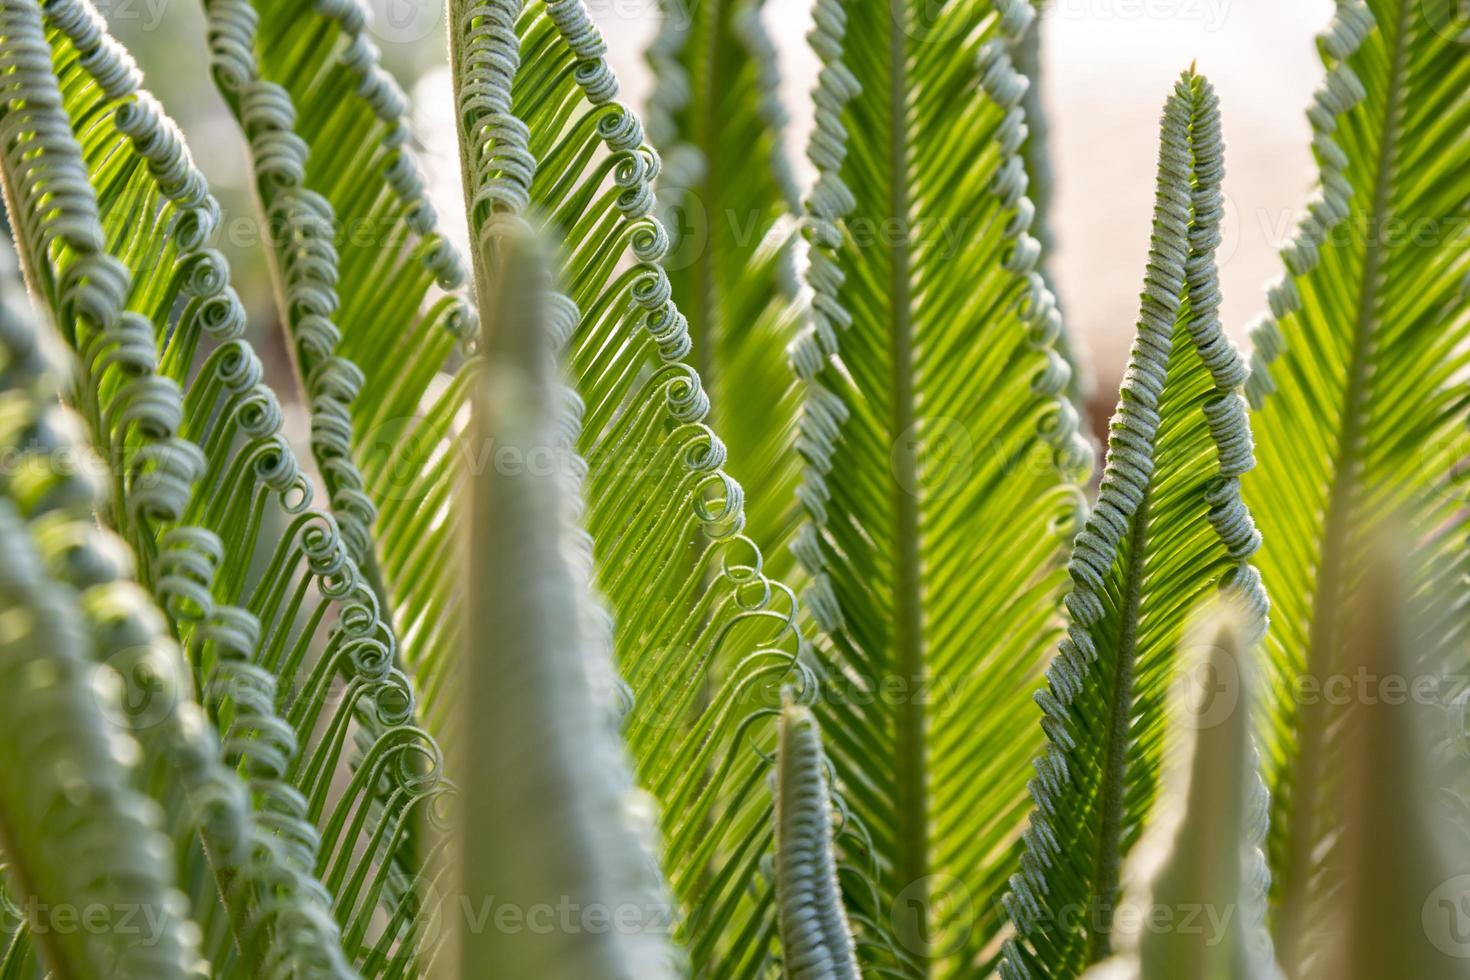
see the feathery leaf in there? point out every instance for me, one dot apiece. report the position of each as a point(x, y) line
point(942, 460)
point(1169, 529)
point(1358, 387)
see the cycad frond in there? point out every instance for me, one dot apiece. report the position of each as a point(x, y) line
point(543, 763)
point(816, 941)
point(1169, 528)
point(1358, 385)
point(249, 897)
point(1196, 885)
point(704, 637)
point(283, 634)
point(942, 457)
point(727, 195)
point(367, 286)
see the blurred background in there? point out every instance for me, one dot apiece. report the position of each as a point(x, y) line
point(1107, 66)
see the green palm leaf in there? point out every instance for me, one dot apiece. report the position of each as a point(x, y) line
point(245, 894)
point(363, 276)
point(292, 661)
point(726, 193)
point(546, 768)
point(704, 636)
point(1196, 884)
point(1169, 528)
point(1357, 383)
point(942, 458)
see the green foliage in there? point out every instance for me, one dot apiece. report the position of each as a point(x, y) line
point(1359, 392)
point(1168, 529)
point(223, 704)
point(943, 461)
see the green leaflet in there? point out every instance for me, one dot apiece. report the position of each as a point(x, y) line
point(727, 195)
point(943, 460)
point(543, 765)
point(1168, 530)
point(1358, 390)
point(282, 633)
point(1039, 188)
point(1196, 884)
point(816, 941)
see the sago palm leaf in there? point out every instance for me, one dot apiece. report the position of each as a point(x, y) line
point(245, 892)
point(1357, 383)
point(89, 868)
point(282, 632)
point(942, 458)
point(1168, 529)
point(1398, 903)
point(687, 590)
point(361, 274)
point(1196, 885)
point(704, 637)
point(543, 763)
point(728, 198)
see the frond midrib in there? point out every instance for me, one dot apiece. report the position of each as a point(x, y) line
point(911, 819)
point(1323, 638)
point(1113, 784)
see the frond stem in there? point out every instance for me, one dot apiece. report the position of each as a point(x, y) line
point(912, 818)
point(1112, 785)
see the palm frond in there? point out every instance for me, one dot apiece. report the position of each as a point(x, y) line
point(816, 940)
point(1394, 910)
point(704, 637)
point(368, 290)
point(247, 894)
point(1168, 529)
point(728, 197)
point(293, 662)
point(1196, 885)
point(544, 764)
point(78, 834)
point(1358, 385)
point(942, 459)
